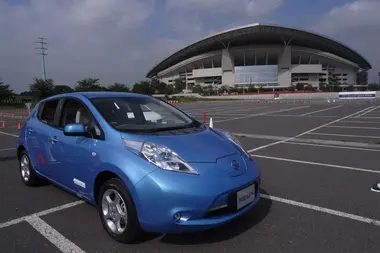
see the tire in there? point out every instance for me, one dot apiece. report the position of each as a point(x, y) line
point(27, 173)
point(131, 230)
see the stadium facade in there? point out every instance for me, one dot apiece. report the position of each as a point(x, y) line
point(265, 56)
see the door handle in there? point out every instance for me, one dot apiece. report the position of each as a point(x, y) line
point(53, 139)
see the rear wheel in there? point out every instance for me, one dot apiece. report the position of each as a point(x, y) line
point(118, 212)
point(28, 175)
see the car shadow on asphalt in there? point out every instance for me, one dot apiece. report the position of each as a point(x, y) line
point(222, 233)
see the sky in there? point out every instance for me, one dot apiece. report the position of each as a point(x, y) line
point(121, 40)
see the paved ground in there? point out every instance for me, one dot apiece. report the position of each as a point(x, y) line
point(318, 162)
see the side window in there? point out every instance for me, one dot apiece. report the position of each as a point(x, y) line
point(75, 112)
point(48, 111)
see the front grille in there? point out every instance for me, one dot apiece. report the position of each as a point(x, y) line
point(231, 204)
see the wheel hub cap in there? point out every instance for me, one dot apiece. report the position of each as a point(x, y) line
point(114, 211)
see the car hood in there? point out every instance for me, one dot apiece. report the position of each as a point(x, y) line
point(202, 147)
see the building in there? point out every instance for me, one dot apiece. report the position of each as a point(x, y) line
point(266, 56)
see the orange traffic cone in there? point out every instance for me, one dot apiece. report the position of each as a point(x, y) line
point(3, 124)
point(19, 126)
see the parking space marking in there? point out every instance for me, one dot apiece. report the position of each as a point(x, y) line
point(323, 210)
point(7, 149)
point(316, 163)
point(331, 146)
point(364, 113)
point(52, 235)
point(263, 113)
point(369, 118)
point(304, 133)
point(323, 110)
point(347, 135)
point(13, 135)
point(42, 213)
point(292, 115)
point(360, 121)
point(355, 127)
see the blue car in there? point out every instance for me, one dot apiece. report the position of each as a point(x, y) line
point(145, 165)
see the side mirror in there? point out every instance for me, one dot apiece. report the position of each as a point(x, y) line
point(74, 130)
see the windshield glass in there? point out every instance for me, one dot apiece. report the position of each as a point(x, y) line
point(141, 114)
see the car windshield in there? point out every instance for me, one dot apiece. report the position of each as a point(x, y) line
point(142, 114)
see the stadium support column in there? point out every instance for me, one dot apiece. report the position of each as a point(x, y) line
point(285, 67)
point(228, 77)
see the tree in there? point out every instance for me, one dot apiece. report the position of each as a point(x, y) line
point(89, 84)
point(5, 91)
point(119, 87)
point(42, 88)
point(60, 89)
point(179, 85)
point(158, 86)
point(197, 89)
point(373, 87)
point(143, 87)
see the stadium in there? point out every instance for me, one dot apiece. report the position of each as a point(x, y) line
point(266, 56)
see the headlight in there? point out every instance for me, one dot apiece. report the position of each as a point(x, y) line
point(236, 141)
point(161, 156)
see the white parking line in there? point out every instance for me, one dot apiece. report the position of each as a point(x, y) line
point(347, 135)
point(7, 149)
point(316, 163)
point(355, 127)
point(56, 238)
point(323, 210)
point(261, 114)
point(13, 135)
point(360, 122)
point(42, 213)
point(331, 146)
point(304, 133)
point(364, 113)
point(323, 110)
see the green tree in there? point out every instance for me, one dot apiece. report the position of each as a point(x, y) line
point(143, 87)
point(5, 91)
point(119, 87)
point(42, 88)
point(60, 89)
point(158, 86)
point(373, 87)
point(197, 89)
point(179, 85)
point(89, 84)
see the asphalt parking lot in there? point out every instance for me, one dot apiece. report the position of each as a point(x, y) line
point(318, 162)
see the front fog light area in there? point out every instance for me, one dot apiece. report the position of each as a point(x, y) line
point(181, 217)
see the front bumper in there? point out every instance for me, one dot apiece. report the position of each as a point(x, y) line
point(170, 202)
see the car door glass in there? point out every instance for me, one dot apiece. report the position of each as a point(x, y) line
point(75, 112)
point(48, 111)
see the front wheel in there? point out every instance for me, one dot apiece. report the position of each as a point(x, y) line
point(118, 212)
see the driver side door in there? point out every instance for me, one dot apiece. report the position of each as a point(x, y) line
point(81, 154)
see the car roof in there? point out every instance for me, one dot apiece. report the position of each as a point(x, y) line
point(97, 94)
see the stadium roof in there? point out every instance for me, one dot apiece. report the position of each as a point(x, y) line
point(261, 34)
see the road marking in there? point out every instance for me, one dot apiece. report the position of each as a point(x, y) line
point(42, 213)
point(304, 133)
point(13, 135)
point(323, 210)
point(52, 235)
point(364, 113)
point(312, 141)
point(355, 127)
point(316, 163)
point(368, 118)
point(360, 122)
point(291, 115)
point(6, 149)
point(323, 110)
point(331, 146)
point(347, 135)
point(261, 114)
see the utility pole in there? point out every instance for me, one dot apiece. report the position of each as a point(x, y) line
point(42, 47)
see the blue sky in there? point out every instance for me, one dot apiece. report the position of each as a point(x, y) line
point(120, 40)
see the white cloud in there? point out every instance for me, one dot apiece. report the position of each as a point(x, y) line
point(356, 24)
point(235, 7)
